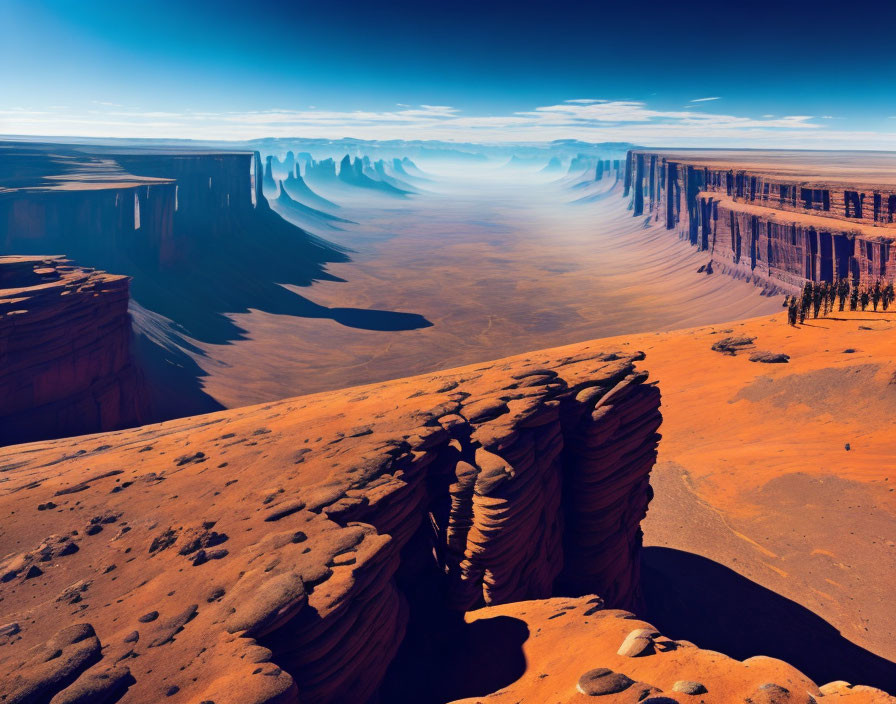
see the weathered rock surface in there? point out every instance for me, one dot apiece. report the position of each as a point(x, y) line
point(779, 217)
point(571, 656)
point(511, 480)
point(65, 357)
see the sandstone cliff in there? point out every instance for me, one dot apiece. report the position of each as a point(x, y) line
point(65, 356)
point(190, 227)
point(264, 554)
point(783, 220)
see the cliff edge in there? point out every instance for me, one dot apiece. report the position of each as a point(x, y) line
point(65, 356)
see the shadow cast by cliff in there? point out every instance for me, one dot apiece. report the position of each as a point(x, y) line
point(451, 660)
point(198, 240)
point(680, 588)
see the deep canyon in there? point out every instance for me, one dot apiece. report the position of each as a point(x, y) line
point(435, 512)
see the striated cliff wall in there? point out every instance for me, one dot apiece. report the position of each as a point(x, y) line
point(777, 224)
point(65, 357)
point(268, 554)
point(190, 228)
point(141, 207)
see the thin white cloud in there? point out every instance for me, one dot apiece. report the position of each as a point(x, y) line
point(588, 119)
point(704, 100)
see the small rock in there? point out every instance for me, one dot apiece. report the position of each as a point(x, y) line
point(847, 447)
point(601, 681)
point(770, 357)
point(148, 618)
point(770, 693)
point(849, 350)
point(132, 637)
point(732, 345)
point(33, 571)
point(10, 629)
point(688, 687)
point(68, 549)
point(196, 457)
point(638, 642)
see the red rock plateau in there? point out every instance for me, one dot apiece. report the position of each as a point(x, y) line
point(262, 554)
point(65, 355)
point(475, 534)
point(780, 217)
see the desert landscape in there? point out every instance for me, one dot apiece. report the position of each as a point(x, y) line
point(364, 357)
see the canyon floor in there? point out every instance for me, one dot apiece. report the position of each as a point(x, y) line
point(774, 504)
point(499, 263)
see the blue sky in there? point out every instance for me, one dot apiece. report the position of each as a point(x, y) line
point(671, 73)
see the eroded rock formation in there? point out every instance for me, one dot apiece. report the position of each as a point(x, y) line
point(259, 555)
point(65, 354)
point(584, 650)
point(784, 223)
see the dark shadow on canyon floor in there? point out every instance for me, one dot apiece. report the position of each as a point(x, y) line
point(442, 657)
point(681, 588)
point(457, 660)
point(192, 273)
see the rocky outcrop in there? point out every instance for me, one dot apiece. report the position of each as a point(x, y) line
point(65, 355)
point(583, 649)
point(265, 554)
point(763, 221)
point(356, 173)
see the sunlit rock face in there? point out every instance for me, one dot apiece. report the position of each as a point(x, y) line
point(785, 220)
point(65, 351)
point(283, 547)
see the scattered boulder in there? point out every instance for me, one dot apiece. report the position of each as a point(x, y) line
point(688, 687)
point(734, 344)
point(10, 629)
point(638, 642)
point(770, 357)
point(601, 681)
point(770, 693)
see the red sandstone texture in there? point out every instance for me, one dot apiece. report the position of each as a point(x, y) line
point(779, 217)
point(579, 651)
point(65, 361)
point(255, 555)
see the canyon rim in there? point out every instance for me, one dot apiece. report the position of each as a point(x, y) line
point(481, 352)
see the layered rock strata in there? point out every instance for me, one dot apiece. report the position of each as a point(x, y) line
point(259, 555)
point(783, 222)
point(65, 356)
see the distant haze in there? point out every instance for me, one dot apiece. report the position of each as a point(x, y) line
point(650, 73)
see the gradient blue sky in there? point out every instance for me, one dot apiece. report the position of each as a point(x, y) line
point(674, 73)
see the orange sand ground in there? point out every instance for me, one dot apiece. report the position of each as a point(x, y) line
point(568, 637)
point(753, 471)
point(752, 474)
